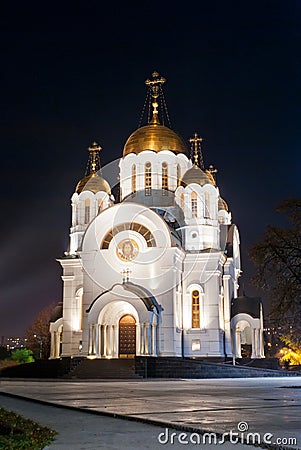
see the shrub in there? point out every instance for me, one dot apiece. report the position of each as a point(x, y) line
point(22, 356)
point(17, 433)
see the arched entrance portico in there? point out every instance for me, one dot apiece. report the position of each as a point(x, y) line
point(109, 336)
point(244, 339)
point(247, 336)
point(104, 339)
point(127, 336)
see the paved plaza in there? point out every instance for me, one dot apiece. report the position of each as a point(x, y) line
point(268, 406)
point(79, 430)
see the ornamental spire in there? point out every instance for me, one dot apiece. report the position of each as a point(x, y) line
point(155, 102)
point(213, 171)
point(93, 165)
point(155, 86)
point(196, 151)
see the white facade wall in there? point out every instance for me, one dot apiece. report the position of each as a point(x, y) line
point(72, 295)
point(201, 230)
point(203, 272)
point(156, 159)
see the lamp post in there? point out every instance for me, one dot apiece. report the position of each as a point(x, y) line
point(40, 341)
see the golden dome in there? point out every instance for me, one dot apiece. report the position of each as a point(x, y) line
point(198, 176)
point(222, 204)
point(94, 183)
point(155, 137)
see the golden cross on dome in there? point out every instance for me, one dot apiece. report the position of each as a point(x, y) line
point(212, 170)
point(94, 150)
point(94, 147)
point(155, 86)
point(196, 149)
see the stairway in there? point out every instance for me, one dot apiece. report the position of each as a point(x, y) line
point(138, 368)
point(103, 369)
point(193, 368)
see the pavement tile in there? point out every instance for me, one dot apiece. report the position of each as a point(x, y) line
point(215, 405)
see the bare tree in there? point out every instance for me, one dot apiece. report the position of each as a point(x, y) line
point(38, 336)
point(277, 257)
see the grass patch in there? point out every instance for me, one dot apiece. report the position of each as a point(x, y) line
point(17, 433)
point(5, 363)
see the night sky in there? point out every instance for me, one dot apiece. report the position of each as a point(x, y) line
point(72, 76)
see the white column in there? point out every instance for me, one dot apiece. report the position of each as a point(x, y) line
point(96, 339)
point(57, 343)
point(234, 346)
point(101, 347)
point(227, 314)
point(238, 344)
point(153, 327)
point(149, 338)
point(52, 346)
point(145, 331)
point(98, 348)
point(142, 341)
point(158, 339)
point(110, 340)
point(258, 352)
point(93, 339)
point(114, 341)
point(261, 344)
point(138, 340)
point(104, 340)
point(90, 340)
point(253, 343)
point(108, 346)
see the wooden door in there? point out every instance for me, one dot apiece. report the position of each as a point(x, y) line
point(127, 336)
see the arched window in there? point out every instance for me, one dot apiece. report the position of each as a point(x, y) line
point(164, 178)
point(178, 175)
point(194, 204)
point(207, 206)
point(195, 309)
point(134, 178)
point(148, 178)
point(87, 210)
point(135, 226)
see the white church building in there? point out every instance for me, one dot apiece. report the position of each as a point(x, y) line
point(154, 272)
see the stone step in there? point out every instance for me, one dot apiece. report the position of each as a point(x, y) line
point(188, 368)
point(140, 367)
point(102, 368)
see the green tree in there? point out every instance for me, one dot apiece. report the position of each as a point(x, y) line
point(277, 257)
point(291, 353)
point(38, 335)
point(22, 355)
